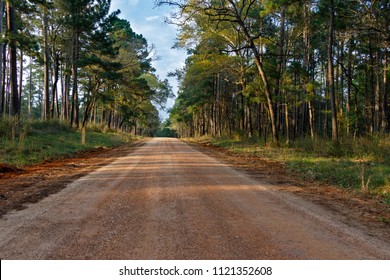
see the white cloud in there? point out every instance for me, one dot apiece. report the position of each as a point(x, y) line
point(152, 18)
point(123, 4)
point(132, 3)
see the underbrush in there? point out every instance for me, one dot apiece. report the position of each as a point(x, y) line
point(359, 165)
point(28, 142)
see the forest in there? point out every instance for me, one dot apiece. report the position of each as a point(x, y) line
point(311, 75)
point(280, 70)
point(78, 63)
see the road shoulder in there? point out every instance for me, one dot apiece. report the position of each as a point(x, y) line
point(366, 214)
point(18, 188)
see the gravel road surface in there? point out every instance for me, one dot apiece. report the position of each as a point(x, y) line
point(167, 200)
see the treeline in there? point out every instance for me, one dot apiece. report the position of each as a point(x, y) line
point(282, 69)
point(75, 61)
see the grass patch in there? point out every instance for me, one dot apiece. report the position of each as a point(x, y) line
point(37, 141)
point(387, 198)
point(340, 164)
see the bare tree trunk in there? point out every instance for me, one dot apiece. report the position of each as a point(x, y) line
point(29, 93)
point(287, 116)
point(310, 95)
point(54, 89)
point(75, 97)
point(349, 87)
point(20, 78)
point(377, 106)
point(46, 68)
point(280, 66)
point(2, 60)
point(15, 102)
point(249, 119)
point(4, 103)
point(342, 78)
point(88, 108)
point(370, 86)
point(65, 92)
point(335, 134)
point(385, 101)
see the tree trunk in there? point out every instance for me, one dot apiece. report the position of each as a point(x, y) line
point(249, 119)
point(349, 87)
point(342, 78)
point(377, 106)
point(370, 86)
point(54, 89)
point(279, 67)
point(20, 78)
point(65, 93)
point(30, 93)
point(15, 102)
point(307, 63)
point(75, 97)
point(385, 101)
point(260, 68)
point(332, 93)
point(2, 60)
point(3, 109)
point(267, 89)
point(46, 68)
point(88, 108)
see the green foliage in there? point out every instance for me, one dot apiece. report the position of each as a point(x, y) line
point(316, 160)
point(166, 130)
point(104, 66)
point(387, 199)
point(38, 141)
point(256, 66)
point(374, 148)
point(6, 126)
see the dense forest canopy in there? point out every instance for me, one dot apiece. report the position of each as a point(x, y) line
point(75, 61)
point(282, 69)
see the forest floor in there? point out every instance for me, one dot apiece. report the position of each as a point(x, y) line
point(168, 165)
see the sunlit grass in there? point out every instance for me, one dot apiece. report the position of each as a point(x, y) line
point(35, 142)
point(320, 160)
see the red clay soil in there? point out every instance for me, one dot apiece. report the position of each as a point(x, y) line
point(19, 187)
point(356, 208)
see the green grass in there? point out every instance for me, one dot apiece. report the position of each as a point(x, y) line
point(35, 142)
point(321, 160)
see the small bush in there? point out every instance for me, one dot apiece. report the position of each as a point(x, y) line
point(99, 128)
point(9, 127)
point(387, 199)
point(51, 127)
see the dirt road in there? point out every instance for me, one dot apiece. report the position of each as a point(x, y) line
point(167, 200)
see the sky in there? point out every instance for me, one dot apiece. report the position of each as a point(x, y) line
point(147, 20)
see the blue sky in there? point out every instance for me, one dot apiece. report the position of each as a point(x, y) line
point(149, 21)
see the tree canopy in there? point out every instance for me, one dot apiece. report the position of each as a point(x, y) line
point(282, 69)
point(75, 61)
